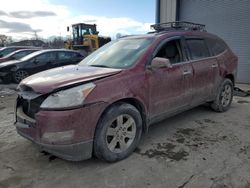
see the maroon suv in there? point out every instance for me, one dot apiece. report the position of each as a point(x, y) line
point(103, 105)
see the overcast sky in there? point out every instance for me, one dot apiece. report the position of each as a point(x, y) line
point(22, 18)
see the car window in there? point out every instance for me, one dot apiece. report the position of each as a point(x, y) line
point(197, 48)
point(77, 55)
point(65, 55)
point(46, 57)
point(216, 46)
point(19, 55)
point(172, 51)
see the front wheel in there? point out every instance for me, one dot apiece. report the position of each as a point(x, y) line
point(224, 96)
point(19, 75)
point(118, 133)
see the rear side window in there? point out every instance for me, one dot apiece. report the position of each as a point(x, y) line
point(65, 55)
point(216, 46)
point(197, 48)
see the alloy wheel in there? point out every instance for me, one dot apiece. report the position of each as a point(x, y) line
point(121, 133)
point(226, 95)
point(20, 75)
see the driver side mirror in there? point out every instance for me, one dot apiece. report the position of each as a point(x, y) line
point(159, 62)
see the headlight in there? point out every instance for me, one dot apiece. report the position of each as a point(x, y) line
point(68, 98)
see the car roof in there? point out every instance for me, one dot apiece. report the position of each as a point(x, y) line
point(59, 49)
point(34, 54)
point(55, 50)
point(27, 47)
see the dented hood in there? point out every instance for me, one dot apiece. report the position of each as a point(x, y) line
point(53, 79)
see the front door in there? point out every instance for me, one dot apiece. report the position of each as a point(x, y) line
point(43, 62)
point(170, 88)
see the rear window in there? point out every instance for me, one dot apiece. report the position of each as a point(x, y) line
point(216, 46)
point(197, 48)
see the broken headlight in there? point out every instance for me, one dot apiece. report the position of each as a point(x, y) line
point(68, 98)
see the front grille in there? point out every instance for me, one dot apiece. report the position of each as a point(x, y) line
point(30, 107)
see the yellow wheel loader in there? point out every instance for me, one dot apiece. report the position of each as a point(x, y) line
point(85, 38)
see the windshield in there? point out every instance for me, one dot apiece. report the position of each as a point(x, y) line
point(120, 54)
point(27, 57)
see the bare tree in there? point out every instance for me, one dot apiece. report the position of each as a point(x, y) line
point(4, 40)
point(57, 42)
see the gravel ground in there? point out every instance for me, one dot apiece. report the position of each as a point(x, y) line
point(198, 148)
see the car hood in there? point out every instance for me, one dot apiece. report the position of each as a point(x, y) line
point(54, 79)
point(7, 63)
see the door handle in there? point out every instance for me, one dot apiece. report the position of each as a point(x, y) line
point(214, 65)
point(186, 72)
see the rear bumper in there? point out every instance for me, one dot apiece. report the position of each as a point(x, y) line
point(72, 152)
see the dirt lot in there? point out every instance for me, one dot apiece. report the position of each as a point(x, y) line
point(198, 148)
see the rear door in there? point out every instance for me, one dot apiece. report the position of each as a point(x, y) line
point(205, 67)
point(170, 88)
point(217, 49)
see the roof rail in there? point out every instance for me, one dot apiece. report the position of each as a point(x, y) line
point(178, 25)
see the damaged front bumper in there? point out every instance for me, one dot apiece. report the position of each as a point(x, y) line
point(66, 134)
point(72, 152)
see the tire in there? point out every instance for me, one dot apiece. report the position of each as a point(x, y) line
point(224, 96)
point(113, 140)
point(19, 75)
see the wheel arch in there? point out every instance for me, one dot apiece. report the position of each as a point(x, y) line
point(134, 102)
point(230, 77)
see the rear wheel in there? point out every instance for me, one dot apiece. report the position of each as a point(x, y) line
point(118, 133)
point(224, 97)
point(19, 75)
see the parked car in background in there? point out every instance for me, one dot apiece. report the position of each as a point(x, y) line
point(18, 54)
point(35, 62)
point(7, 50)
point(103, 105)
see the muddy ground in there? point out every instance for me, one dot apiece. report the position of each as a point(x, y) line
point(198, 148)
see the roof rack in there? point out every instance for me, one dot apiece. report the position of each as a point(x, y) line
point(178, 25)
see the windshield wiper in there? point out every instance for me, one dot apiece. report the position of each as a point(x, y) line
point(104, 66)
